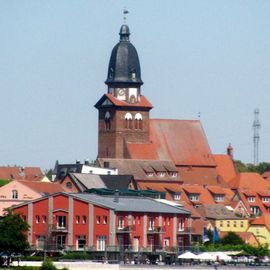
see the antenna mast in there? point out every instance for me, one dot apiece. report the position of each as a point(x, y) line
point(256, 136)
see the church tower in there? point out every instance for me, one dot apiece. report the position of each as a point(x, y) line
point(123, 110)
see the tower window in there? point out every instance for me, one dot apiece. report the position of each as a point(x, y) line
point(138, 121)
point(128, 121)
point(107, 121)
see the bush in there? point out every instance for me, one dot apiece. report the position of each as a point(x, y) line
point(48, 265)
point(76, 256)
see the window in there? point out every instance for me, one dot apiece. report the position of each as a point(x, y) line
point(173, 174)
point(194, 197)
point(81, 242)
point(166, 242)
point(69, 185)
point(255, 210)
point(61, 222)
point(150, 174)
point(151, 224)
point(234, 223)
point(44, 219)
point(181, 224)
point(177, 196)
point(14, 194)
point(77, 219)
point(162, 174)
point(138, 121)
point(101, 243)
point(37, 219)
point(219, 197)
point(128, 121)
point(228, 223)
point(105, 220)
point(107, 121)
point(84, 219)
point(98, 219)
point(265, 199)
point(221, 223)
point(241, 224)
point(121, 222)
point(251, 199)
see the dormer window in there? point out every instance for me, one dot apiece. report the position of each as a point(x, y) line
point(219, 197)
point(194, 197)
point(173, 174)
point(150, 174)
point(177, 196)
point(161, 174)
point(265, 199)
point(251, 199)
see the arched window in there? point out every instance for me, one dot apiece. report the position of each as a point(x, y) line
point(14, 194)
point(138, 121)
point(128, 121)
point(107, 121)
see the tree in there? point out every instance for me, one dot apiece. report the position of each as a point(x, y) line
point(260, 168)
point(231, 239)
point(13, 237)
point(49, 173)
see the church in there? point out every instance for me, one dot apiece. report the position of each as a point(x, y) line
point(154, 151)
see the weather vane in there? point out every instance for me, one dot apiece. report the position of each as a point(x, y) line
point(125, 12)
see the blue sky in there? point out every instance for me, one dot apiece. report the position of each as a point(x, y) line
point(210, 57)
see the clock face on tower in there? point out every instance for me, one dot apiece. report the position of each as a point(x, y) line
point(121, 93)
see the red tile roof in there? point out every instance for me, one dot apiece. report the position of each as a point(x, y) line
point(262, 220)
point(216, 190)
point(252, 181)
point(20, 173)
point(266, 175)
point(225, 167)
point(44, 188)
point(116, 102)
point(146, 151)
point(182, 141)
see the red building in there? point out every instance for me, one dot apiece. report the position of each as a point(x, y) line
point(112, 224)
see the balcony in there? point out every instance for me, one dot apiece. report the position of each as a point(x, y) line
point(185, 230)
point(59, 228)
point(156, 230)
point(125, 229)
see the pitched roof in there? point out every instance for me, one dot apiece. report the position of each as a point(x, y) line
point(248, 180)
point(225, 167)
point(133, 204)
point(142, 151)
point(182, 141)
point(20, 173)
point(140, 168)
point(119, 103)
point(43, 188)
point(262, 220)
point(87, 181)
point(215, 211)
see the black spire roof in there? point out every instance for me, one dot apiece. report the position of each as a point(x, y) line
point(124, 66)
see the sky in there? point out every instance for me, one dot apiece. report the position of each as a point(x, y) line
point(197, 57)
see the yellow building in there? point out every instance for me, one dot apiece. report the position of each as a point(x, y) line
point(260, 227)
point(233, 224)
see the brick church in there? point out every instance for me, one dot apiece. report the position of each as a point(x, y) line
point(153, 150)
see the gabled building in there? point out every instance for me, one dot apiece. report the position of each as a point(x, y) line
point(17, 192)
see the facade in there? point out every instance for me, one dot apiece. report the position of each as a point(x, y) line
point(112, 224)
point(17, 192)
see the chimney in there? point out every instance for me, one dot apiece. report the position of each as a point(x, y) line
point(230, 151)
point(116, 196)
point(78, 161)
point(86, 162)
